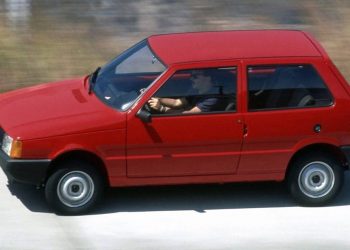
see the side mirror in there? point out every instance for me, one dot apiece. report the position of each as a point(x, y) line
point(144, 115)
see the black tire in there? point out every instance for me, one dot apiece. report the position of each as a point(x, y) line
point(74, 188)
point(315, 179)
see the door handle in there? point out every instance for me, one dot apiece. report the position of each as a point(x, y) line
point(245, 130)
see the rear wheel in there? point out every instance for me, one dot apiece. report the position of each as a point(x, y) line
point(74, 188)
point(315, 179)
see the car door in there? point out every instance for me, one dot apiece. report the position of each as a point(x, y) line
point(287, 102)
point(187, 144)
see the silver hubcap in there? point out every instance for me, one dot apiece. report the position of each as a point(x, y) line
point(75, 189)
point(316, 179)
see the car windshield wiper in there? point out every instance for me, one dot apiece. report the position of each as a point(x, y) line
point(93, 78)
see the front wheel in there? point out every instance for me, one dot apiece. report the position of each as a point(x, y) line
point(73, 189)
point(315, 179)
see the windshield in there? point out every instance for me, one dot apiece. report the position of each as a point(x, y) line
point(120, 82)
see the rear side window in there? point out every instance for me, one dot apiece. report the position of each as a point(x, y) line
point(286, 86)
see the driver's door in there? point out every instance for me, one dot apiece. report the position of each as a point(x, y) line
point(186, 144)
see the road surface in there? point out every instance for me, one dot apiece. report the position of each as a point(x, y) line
point(235, 216)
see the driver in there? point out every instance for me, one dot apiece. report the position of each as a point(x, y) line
point(202, 83)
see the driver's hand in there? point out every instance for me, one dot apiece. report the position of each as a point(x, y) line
point(154, 103)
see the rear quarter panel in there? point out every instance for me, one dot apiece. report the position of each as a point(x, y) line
point(274, 136)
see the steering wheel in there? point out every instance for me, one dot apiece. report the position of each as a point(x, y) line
point(147, 107)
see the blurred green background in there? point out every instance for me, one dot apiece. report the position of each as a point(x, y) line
point(49, 40)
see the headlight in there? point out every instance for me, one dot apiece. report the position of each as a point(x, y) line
point(7, 144)
point(11, 147)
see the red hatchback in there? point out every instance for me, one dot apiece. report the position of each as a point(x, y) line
point(210, 107)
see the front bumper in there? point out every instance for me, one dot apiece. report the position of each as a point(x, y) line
point(25, 171)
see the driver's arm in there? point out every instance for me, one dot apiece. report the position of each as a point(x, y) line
point(173, 103)
point(167, 105)
point(193, 110)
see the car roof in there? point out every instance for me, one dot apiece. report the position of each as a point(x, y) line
point(223, 45)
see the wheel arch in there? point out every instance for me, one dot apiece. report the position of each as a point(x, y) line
point(81, 156)
point(322, 148)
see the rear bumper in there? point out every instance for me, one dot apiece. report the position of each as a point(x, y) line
point(25, 171)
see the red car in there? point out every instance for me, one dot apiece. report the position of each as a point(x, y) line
point(208, 107)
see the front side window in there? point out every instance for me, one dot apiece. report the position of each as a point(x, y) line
point(120, 82)
point(196, 91)
point(286, 86)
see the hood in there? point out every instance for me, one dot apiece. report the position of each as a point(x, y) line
point(55, 109)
